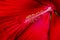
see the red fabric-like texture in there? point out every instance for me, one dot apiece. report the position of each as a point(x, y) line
point(55, 28)
point(57, 5)
point(14, 12)
point(35, 31)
